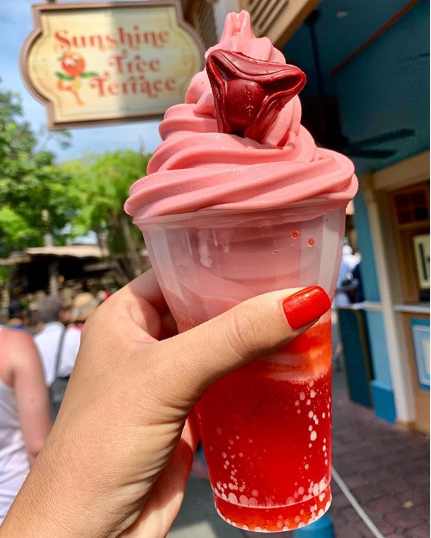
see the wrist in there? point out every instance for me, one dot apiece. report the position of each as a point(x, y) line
point(70, 493)
point(56, 501)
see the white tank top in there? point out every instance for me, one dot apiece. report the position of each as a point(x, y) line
point(14, 462)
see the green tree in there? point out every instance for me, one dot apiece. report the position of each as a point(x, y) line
point(99, 186)
point(34, 195)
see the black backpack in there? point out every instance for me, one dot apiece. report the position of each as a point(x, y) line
point(58, 386)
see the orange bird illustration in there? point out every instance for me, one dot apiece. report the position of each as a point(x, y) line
point(73, 65)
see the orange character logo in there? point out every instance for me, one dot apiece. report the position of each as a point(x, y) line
point(73, 65)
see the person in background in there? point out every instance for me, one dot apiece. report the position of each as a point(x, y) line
point(50, 339)
point(84, 305)
point(16, 314)
point(345, 286)
point(359, 296)
point(24, 412)
point(66, 315)
point(345, 277)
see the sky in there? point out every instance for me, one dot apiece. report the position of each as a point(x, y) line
point(15, 25)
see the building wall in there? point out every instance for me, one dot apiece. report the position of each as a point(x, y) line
point(383, 89)
point(381, 386)
point(386, 87)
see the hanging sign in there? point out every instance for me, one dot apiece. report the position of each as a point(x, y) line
point(109, 63)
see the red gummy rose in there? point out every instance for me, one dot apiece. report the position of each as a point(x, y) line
point(249, 93)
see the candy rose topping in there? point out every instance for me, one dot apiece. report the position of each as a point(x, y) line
point(250, 93)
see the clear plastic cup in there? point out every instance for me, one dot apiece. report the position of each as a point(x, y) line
point(266, 428)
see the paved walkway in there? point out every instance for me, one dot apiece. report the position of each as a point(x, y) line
point(386, 469)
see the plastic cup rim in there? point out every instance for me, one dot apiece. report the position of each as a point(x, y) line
point(144, 222)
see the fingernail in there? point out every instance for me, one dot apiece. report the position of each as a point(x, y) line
point(306, 306)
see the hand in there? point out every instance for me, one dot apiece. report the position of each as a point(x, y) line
point(118, 458)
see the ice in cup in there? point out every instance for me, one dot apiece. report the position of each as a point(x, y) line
point(239, 201)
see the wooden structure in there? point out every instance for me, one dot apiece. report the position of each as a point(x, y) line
point(276, 19)
point(200, 15)
point(49, 268)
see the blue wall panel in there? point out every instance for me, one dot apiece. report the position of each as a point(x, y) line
point(379, 350)
point(386, 87)
point(384, 402)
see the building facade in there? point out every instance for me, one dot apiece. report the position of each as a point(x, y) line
point(368, 96)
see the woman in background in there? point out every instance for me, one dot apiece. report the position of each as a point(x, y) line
point(24, 412)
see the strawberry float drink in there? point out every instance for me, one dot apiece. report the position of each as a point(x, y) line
point(239, 201)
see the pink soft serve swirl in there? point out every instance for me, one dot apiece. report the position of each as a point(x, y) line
point(197, 168)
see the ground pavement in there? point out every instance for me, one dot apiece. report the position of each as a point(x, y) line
point(386, 470)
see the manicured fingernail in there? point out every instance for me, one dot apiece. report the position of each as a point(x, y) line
point(306, 306)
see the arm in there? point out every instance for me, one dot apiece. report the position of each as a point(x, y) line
point(117, 461)
point(31, 393)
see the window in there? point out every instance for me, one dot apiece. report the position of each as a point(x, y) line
point(411, 205)
point(410, 209)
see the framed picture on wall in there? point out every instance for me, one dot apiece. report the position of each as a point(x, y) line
point(421, 343)
point(422, 258)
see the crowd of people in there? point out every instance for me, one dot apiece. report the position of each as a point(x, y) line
point(30, 368)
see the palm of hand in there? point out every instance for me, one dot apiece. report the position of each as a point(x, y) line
point(147, 444)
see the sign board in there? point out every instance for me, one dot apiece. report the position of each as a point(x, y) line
point(422, 255)
point(109, 62)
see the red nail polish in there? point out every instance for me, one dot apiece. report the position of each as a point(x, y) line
point(306, 306)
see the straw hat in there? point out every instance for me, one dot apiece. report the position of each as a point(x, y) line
point(84, 304)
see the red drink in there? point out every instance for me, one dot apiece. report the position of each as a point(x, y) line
point(266, 433)
point(266, 429)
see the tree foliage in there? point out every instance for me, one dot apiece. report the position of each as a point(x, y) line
point(33, 189)
point(99, 186)
point(69, 199)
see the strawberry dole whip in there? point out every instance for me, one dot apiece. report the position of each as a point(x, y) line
point(239, 201)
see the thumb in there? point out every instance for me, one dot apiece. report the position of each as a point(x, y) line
point(255, 328)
